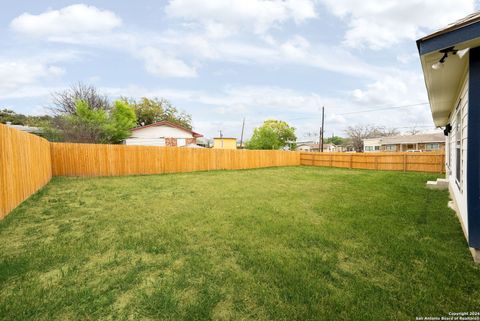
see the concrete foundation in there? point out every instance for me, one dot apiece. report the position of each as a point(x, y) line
point(475, 252)
point(440, 183)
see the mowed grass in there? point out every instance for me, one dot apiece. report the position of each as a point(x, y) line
point(297, 243)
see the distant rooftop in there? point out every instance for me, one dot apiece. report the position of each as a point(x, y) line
point(412, 139)
point(27, 129)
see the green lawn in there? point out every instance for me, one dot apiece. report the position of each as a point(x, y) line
point(298, 243)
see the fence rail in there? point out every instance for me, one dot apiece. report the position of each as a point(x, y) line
point(25, 166)
point(116, 160)
point(416, 162)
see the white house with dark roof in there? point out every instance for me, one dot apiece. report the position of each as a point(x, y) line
point(450, 61)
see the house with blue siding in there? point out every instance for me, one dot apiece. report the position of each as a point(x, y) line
point(450, 60)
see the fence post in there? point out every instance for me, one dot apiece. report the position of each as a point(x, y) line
point(404, 162)
point(376, 162)
point(351, 160)
point(331, 160)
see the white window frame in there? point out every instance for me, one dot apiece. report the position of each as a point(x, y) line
point(458, 147)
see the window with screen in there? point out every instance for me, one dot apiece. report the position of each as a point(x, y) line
point(391, 148)
point(432, 146)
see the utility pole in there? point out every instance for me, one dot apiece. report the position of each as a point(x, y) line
point(221, 138)
point(320, 138)
point(241, 137)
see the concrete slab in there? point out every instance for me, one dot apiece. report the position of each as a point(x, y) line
point(440, 183)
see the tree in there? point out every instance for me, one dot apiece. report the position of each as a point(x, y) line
point(121, 121)
point(7, 115)
point(335, 140)
point(65, 102)
point(273, 134)
point(150, 110)
point(360, 132)
point(86, 125)
point(414, 130)
point(89, 125)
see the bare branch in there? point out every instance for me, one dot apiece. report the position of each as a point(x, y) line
point(64, 101)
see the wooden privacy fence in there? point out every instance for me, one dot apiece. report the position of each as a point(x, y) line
point(416, 162)
point(25, 166)
point(27, 162)
point(115, 160)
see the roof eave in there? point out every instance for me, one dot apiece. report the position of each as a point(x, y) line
point(449, 37)
point(460, 36)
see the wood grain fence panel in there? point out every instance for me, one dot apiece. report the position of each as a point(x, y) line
point(417, 162)
point(117, 160)
point(25, 166)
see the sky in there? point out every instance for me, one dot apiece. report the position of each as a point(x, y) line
point(225, 60)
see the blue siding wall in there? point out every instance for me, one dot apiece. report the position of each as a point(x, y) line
point(473, 151)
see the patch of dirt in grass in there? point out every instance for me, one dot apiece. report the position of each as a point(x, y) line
point(368, 271)
point(124, 300)
point(188, 296)
point(223, 311)
point(51, 278)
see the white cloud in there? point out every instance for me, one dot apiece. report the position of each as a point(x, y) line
point(392, 89)
point(253, 15)
point(20, 76)
point(68, 21)
point(178, 53)
point(295, 50)
point(160, 63)
point(17, 73)
point(379, 24)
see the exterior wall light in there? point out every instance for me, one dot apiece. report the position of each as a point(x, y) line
point(450, 50)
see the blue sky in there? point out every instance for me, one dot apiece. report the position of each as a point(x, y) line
point(224, 60)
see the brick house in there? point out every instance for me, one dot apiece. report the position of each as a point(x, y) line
point(163, 133)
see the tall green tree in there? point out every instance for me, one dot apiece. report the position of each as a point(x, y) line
point(273, 134)
point(150, 110)
point(91, 125)
point(121, 121)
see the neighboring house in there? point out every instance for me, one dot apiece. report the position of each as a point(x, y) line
point(427, 142)
point(162, 133)
point(450, 61)
point(371, 144)
point(311, 146)
point(225, 143)
point(28, 129)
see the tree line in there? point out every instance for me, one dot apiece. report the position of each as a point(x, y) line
point(81, 114)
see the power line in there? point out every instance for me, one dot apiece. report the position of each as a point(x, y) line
point(368, 110)
point(385, 108)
